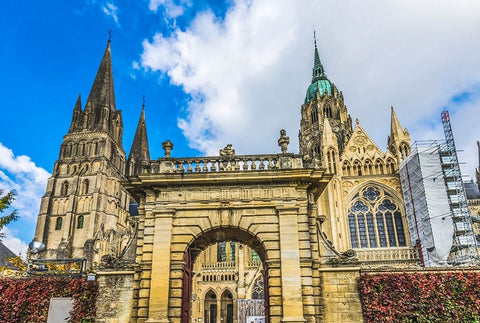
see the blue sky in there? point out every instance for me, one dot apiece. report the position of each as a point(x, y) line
point(219, 72)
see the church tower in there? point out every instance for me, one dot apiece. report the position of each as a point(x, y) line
point(84, 211)
point(323, 103)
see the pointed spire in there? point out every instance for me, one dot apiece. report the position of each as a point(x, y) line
point(395, 127)
point(139, 151)
point(318, 70)
point(102, 93)
point(328, 137)
point(75, 125)
point(78, 104)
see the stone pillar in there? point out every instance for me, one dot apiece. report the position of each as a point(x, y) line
point(290, 264)
point(241, 271)
point(160, 278)
point(219, 309)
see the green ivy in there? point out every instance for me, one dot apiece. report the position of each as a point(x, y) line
point(420, 297)
point(28, 299)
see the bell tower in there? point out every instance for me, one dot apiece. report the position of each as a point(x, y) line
point(323, 102)
point(84, 211)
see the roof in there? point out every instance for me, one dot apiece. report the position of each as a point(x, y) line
point(6, 253)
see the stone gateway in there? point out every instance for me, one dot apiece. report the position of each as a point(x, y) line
point(228, 238)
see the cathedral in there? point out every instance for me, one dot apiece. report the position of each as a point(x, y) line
point(233, 238)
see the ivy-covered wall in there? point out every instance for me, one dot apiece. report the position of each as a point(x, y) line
point(27, 299)
point(452, 296)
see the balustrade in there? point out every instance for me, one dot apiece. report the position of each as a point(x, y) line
point(236, 163)
point(387, 254)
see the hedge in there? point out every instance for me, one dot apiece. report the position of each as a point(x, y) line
point(421, 297)
point(28, 299)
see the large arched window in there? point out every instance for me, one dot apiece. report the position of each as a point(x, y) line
point(375, 220)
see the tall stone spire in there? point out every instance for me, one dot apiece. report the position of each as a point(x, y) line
point(139, 151)
point(102, 93)
point(318, 70)
point(399, 139)
point(395, 127)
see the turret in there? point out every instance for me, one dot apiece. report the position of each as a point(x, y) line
point(399, 139)
point(139, 152)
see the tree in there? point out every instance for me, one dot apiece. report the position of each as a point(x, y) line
point(5, 202)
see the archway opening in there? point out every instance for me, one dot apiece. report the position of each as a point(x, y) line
point(226, 280)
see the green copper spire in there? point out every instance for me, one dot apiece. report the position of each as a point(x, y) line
point(318, 71)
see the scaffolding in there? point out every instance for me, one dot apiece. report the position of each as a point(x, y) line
point(436, 206)
point(464, 249)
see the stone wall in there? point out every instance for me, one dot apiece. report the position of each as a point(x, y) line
point(115, 296)
point(340, 294)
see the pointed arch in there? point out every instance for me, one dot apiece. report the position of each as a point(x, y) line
point(376, 218)
point(64, 189)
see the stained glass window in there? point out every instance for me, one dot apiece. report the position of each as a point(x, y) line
point(375, 220)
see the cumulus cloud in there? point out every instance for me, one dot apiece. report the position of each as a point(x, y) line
point(13, 243)
point(172, 8)
point(20, 173)
point(247, 72)
point(110, 10)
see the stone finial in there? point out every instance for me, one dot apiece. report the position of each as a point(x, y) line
point(167, 147)
point(283, 141)
point(227, 151)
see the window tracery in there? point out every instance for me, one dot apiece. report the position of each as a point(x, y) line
point(375, 220)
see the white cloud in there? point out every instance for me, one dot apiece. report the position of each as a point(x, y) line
point(110, 10)
point(20, 173)
point(247, 73)
point(18, 246)
point(172, 8)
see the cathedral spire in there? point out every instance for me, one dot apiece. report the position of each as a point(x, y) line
point(102, 93)
point(139, 151)
point(395, 127)
point(318, 70)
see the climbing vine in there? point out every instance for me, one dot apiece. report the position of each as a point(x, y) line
point(28, 299)
point(421, 297)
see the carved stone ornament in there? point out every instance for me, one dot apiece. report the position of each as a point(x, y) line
point(167, 147)
point(283, 141)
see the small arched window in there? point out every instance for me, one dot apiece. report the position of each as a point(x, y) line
point(80, 220)
point(327, 111)
point(314, 115)
point(58, 224)
point(85, 186)
point(64, 190)
point(375, 220)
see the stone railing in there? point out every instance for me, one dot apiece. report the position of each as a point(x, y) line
point(254, 264)
point(218, 265)
point(402, 254)
point(233, 163)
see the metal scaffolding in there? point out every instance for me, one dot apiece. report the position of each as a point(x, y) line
point(464, 249)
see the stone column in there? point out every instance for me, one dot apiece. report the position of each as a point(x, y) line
point(290, 265)
point(241, 271)
point(219, 309)
point(159, 283)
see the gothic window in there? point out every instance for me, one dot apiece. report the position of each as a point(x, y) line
point(316, 150)
point(255, 256)
point(257, 292)
point(95, 148)
point(327, 111)
point(58, 224)
point(346, 168)
point(80, 220)
point(221, 251)
point(390, 166)
point(379, 167)
point(232, 251)
point(404, 150)
point(64, 190)
point(314, 115)
point(85, 186)
point(332, 166)
point(357, 168)
point(375, 220)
